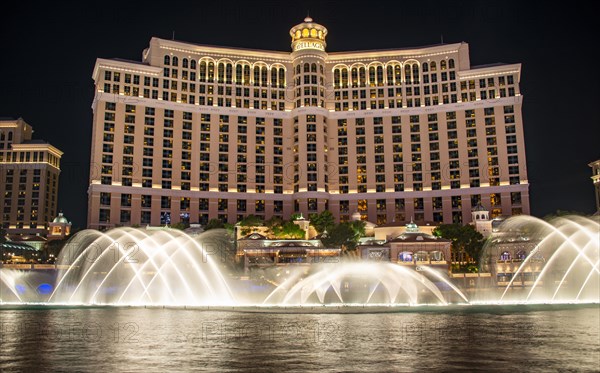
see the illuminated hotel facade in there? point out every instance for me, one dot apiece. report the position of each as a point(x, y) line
point(194, 132)
point(29, 171)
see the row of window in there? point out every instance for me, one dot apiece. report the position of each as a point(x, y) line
point(397, 206)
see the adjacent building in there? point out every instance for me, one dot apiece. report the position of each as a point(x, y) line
point(59, 228)
point(412, 248)
point(258, 251)
point(193, 132)
point(29, 171)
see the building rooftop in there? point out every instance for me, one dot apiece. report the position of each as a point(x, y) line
point(61, 219)
point(418, 237)
point(404, 223)
point(495, 64)
point(129, 61)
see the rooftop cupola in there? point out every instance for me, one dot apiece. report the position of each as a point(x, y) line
point(308, 35)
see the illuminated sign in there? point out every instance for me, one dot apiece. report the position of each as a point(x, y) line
point(309, 45)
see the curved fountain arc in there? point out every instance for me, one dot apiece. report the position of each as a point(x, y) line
point(150, 260)
point(562, 242)
point(170, 261)
point(394, 279)
point(165, 252)
point(587, 279)
point(571, 266)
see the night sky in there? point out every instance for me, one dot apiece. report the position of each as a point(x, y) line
point(49, 54)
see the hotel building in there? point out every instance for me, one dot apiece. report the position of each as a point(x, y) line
point(29, 171)
point(194, 132)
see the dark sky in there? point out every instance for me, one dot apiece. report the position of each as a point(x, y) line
point(49, 53)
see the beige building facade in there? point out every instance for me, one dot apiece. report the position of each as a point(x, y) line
point(29, 171)
point(194, 132)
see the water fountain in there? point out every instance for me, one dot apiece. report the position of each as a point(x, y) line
point(127, 266)
point(545, 262)
point(359, 283)
point(531, 261)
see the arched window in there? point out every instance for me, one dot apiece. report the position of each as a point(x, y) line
point(273, 77)
point(313, 68)
point(379, 75)
point(421, 256)
point(238, 74)
point(405, 256)
point(354, 73)
point(390, 75)
point(372, 76)
point(437, 256)
point(336, 78)
point(425, 67)
point(2, 136)
point(193, 64)
point(398, 72)
point(344, 78)
point(433, 66)
point(202, 71)
point(443, 65)
point(184, 63)
point(256, 75)
point(451, 63)
point(415, 73)
point(10, 136)
point(228, 73)
point(175, 61)
point(298, 69)
point(407, 74)
point(246, 75)
point(221, 72)
point(505, 255)
point(167, 60)
point(307, 67)
point(362, 74)
point(210, 74)
point(263, 76)
point(281, 78)
point(521, 254)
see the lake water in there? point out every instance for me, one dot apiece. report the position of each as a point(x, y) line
point(469, 338)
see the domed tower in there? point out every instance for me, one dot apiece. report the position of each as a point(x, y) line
point(308, 55)
point(480, 217)
point(310, 126)
point(59, 228)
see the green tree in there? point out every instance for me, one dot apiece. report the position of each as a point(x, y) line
point(345, 235)
point(251, 221)
point(323, 221)
point(288, 230)
point(274, 222)
point(465, 239)
point(358, 226)
point(214, 224)
point(230, 228)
